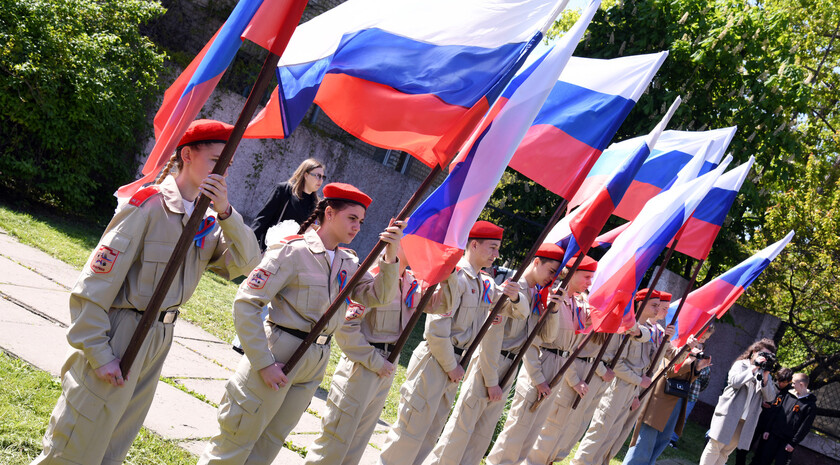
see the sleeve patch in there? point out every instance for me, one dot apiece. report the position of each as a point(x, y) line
point(354, 311)
point(143, 195)
point(104, 259)
point(497, 319)
point(257, 278)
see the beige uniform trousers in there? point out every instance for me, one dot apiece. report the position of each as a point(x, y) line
point(354, 403)
point(425, 401)
point(564, 425)
point(716, 452)
point(607, 424)
point(93, 421)
point(522, 425)
point(254, 419)
point(470, 427)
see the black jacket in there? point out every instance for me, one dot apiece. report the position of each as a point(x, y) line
point(794, 417)
point(296, 208)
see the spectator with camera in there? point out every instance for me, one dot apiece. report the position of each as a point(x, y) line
point(783, 378)
point(748, 385)
point(790, 424)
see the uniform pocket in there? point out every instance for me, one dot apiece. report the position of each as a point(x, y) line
point(341, 420)
point(386, 321)
point(413, 410)
point(310, 294)
point(76, 427)
point(238, 412)
point(155, 257)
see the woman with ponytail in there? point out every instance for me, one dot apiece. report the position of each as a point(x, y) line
point(101, 409)
point(297, 279)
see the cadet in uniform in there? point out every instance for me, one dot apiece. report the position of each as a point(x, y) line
point(542, 361)
point(297, 279)
point(614, 407)
point(101, 409)
point(461, 306)
point(363, 377)
point(469, 430)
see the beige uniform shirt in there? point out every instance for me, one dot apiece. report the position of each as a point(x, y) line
point(634, 361)
point(297, 281)
point(459, 312)
point(382, 324)
point(128, 262)
point(558, 335)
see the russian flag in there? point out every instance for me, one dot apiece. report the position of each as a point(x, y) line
point(716, 297)
point(578, 230)
point(437, 231)
point(702, 228)
point(412, 75)
point(580, 117)
point(274, 20)
point(672, 152)
point(623, 266)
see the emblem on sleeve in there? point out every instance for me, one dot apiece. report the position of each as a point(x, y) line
point(354, 311)
point(104, 259)
point(257, 278)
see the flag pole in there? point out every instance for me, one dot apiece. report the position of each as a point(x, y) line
point(688, 289)
point(357, 276)
point(673, 361)
point(412, 322)
point(558, 212)
point(569, 361)
point(150, 315)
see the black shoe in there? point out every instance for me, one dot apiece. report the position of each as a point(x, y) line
point(673, 444)
point(238, 349)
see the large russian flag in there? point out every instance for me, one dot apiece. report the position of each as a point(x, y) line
point(672, 152)
point(578, 230)
point(702, 228)
point(633, 252)
point(580, 117)
point(716, 297)
point(273, 19)
point(412, 75)
point(437, 231)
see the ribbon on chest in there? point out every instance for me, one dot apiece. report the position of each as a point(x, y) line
point(207, 225)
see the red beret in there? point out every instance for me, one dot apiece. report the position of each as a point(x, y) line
point(640, 296)
point(551, 251)
point(346, 192)
point(206, 130)
point(665, 296)
point(486, 230)
point(588, 264)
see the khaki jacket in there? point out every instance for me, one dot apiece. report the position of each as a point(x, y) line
point(382, 324)
point(558, 333)
point(635, 360)
point(129, 260)
point(297, 282)
point(460, 311)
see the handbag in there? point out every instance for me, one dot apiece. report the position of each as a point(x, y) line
point(677, 387)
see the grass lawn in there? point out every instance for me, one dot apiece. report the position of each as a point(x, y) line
point(27, 397)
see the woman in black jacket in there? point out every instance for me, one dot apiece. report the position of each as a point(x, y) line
point(294, 199)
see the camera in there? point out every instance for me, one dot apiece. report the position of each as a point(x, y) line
point(702, 356)
point(769, 363)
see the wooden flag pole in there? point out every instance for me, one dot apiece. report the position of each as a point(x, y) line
point(594, 366)
point(558, 212)
point(569, 361)
point(357, 276)
point(688, 289)
point(673, 362)
point(412, 322)
point(175, 262)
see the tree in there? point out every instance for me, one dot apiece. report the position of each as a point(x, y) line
point(77, 80)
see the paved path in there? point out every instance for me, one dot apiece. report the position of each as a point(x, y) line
point(34, 291)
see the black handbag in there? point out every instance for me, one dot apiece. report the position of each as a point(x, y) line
point(677, 387)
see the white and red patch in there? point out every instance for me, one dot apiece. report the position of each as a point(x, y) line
point(354, 311)
point(104, 259)
point(498, 319)
point(257, 278)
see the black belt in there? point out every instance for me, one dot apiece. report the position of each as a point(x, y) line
point(385, 346)
point(508, 354)
point(586, 359)
point(323, 339)
point(167, 317)
point(558, 352)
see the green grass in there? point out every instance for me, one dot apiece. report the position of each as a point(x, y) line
point(27, 397)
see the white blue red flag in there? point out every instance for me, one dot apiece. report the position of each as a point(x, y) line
point(437, 231)
point(579, 229)
point(673, 151)
point(580, 117)
point(273, 20)
point(715, 299)
point(412, 75)
point(623, 266)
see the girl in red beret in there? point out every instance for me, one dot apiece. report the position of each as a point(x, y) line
point(101, 409)
point(297, 279)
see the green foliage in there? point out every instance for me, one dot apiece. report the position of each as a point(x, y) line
point(76, 81)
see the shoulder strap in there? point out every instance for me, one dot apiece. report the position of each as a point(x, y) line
point(141, 196)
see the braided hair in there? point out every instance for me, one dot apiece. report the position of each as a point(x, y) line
point(176, 162)
point(317, 216)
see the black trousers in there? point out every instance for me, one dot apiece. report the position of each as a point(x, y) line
point(772, 450)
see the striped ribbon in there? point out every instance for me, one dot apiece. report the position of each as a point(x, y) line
point(342, 281)
point(535, 308)
point(207, 225)
point(581, 320)
point(409, 299)
point(485, 295)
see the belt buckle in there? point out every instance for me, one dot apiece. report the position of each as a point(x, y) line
point(322, 340)
point(170, 317)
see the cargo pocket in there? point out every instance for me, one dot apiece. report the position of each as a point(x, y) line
point(155, 257)
point(76, 427)
point(386, 321)
point(238, 413)
point(341, 419)
point(414, 407)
